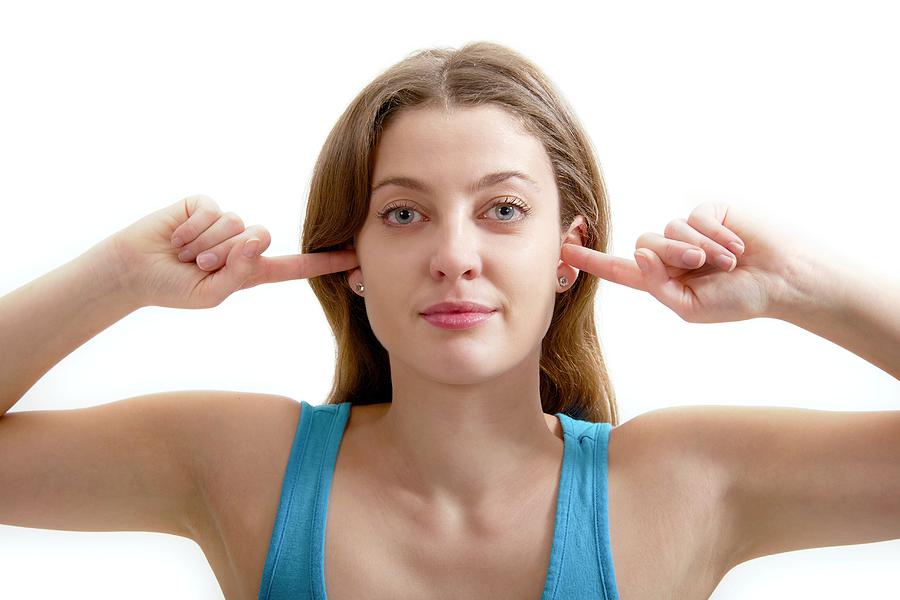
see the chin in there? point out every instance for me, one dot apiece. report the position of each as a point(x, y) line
point(458, 365)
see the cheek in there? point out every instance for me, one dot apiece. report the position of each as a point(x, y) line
point(392, 297)
point(529, 282)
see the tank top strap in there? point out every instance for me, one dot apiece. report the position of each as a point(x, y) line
point(586, 566)
point(293, 568)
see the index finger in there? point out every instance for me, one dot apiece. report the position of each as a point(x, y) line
point(303, 266)
point(605, 266)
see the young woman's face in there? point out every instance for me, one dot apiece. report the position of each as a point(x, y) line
point(498, 245)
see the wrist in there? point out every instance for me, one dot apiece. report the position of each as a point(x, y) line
point(111, 279)
point(809, 288)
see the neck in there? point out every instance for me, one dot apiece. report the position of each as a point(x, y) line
point(468, 447)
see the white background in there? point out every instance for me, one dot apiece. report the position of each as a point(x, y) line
point(112, 110)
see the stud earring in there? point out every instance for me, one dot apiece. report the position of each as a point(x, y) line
point(360, 288)
point(563, 281)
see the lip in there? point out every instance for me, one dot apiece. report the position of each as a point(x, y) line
point(457, 307)
point(459, 320)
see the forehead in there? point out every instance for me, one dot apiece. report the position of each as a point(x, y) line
point(432, 144)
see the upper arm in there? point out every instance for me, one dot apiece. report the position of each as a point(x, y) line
point(132, 465)
point(799, 478)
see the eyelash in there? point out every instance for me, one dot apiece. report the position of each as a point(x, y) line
point(526, 210)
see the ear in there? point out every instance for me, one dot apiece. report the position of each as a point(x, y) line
point(354, 276)
point(575, 234)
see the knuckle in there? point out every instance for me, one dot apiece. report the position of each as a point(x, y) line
point(206, 202)
point(674, 226)
point(697, 220)
point(233, 220)
point(646, 240)
point(705, 208)
point(209, 213)
point(201, 204)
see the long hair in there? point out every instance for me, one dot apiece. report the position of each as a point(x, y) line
point(573, 377)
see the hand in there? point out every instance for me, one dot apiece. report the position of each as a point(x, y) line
point(760, 275)
point(146, 263)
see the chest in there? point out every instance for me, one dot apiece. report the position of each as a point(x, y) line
point(661, 536)
point(385, 553)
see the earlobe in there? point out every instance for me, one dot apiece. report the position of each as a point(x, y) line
point(355, 281)
point(566, 275)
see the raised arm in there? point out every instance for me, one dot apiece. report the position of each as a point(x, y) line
point(43, 321)
point(782, 478)
point(746, 266)
point(846, 303)
point(139, 464)
point(142, 265)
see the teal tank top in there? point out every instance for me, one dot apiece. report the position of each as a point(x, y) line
point(581, 563)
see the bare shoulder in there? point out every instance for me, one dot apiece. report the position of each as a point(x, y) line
point(668, 499)
point(797, 478)
point(775, 479)
point(240, 458)
point(244, 449)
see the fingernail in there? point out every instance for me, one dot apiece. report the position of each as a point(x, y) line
point(692, 257)
point(642, 261)
point(177, 242)
point(250, 247)
point(736, 247)
point(206, 260)
point(725, 262)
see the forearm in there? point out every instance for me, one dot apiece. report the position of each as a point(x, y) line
point(849, 304)
point(43, 321)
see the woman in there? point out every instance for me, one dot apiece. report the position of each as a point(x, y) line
point(475, 454)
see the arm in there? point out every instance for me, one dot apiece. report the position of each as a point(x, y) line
point(848, 304)
point(43, 321)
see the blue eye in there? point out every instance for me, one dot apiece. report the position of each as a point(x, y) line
point(401, 208)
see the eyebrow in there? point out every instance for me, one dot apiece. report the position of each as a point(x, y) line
point(487, 181)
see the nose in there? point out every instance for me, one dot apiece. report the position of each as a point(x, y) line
point(457, 250)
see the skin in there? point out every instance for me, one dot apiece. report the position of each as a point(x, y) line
point(465, 431)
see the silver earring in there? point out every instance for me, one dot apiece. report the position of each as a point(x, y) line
point(360, 288)
point(563, 281)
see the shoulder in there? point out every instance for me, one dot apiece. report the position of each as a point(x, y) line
point(674, 489)
point(680, 446)
point(243, 447)
point(675, 431)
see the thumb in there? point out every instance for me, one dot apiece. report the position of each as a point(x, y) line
point(656, 279)
point(238, 271)
point(652, 267)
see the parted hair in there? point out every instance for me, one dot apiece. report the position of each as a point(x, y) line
point(573, 374)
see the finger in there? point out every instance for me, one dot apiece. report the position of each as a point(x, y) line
point(715, 253)
point(604, 266)
point(709, 219)
point(214, 258)
point(234, 275)
point(226, 227)
point(201, 212)
point(675, 253)
point(668, 290)
point(652, 267)
point(304, 266)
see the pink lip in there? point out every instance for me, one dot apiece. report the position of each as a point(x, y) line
point(463, 320)
point(457, 307)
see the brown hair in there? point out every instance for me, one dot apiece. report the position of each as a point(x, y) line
point(573, 378)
